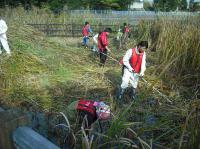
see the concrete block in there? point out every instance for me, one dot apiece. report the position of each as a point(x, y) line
point(27, 138)
point(9, 121)
point(1, 109)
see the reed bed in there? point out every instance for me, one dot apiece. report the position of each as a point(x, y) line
point(176, 63)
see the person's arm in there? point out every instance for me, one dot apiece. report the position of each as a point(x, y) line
point(95, 38)
point(107, 48)
point(126, 60)
point(90, 30)
point(3, 27)
point(143, 66)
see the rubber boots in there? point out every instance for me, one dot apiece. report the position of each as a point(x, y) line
point(120, 94)
point(133, 93)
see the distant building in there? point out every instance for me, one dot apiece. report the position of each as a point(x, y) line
point(139, 4)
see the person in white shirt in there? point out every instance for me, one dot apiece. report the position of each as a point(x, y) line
point(119, 39)
point(134, 66)
point(94, 47)
point(3, 37)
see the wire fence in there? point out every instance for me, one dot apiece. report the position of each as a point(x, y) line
point(69, 30)
point(100, 19)
point(132, 12)
point(132, 17)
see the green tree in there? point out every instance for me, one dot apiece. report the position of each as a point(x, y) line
point(125, 3)
point(183, 4)
point(148, 6)
point(72, 4)
point(166, 5)
point(56, 5)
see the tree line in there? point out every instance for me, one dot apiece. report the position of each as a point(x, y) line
point(158, 5)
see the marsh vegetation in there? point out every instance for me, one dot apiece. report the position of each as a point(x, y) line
point(46, 74)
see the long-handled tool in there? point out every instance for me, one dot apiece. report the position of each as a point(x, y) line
point(110, 57)
point(155, 89)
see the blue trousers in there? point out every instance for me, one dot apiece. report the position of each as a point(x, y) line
point(85, 40)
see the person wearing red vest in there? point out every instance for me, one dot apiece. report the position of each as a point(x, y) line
point(86, 32)
point(90, 109)
point(126, 31)
point(103, 45)
point(134, 64)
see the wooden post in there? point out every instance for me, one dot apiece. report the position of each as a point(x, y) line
point(66, 30)
point(1, 109)
point(72, 27)
point(47, 29)
point(100, 27)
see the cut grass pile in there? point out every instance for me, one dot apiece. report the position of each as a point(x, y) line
point(41, 69)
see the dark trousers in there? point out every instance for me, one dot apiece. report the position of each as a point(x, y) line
point(103, 57)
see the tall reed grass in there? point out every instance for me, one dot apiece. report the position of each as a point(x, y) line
point(177, 62)
point(177, 44)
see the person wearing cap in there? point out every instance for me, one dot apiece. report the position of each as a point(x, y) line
point(91, 110)
point(86, 30)
point(134, 66)
point(3, 37)
point(103, 45)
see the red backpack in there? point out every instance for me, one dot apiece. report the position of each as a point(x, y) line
point(87, 105)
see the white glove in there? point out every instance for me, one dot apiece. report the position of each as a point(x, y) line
point(141, 75)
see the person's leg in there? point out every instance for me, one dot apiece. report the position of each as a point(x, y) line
point(87, 120)
point(95, 51)
point(4, 42)
point(103, 57)
point(84, 40)
point(120, 94)
point(123, 67)
point(134, 82)
point(124, 85)
point(87, 42)
point(133, 93)
point(125, 40)
point(1, 47)
point(120, 43)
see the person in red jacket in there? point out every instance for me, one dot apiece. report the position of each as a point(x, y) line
point(86, 32)
point(90, 109)
point(103, 45)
